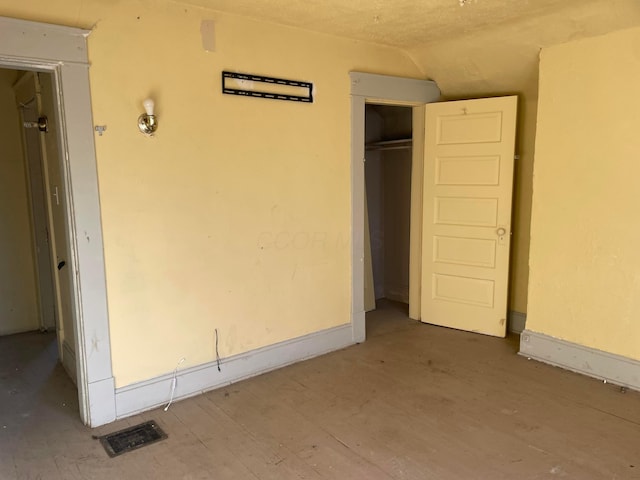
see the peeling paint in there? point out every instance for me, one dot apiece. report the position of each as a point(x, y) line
point(208, 34)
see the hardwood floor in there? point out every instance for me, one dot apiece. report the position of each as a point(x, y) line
point(412, 402)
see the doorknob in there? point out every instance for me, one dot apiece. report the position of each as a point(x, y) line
point(42, 124)
point(501, 232)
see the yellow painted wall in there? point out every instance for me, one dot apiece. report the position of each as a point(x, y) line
point(18, 291)
point(236, 215)
point(585, 234)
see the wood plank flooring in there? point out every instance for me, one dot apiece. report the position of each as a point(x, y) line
point(412, 402)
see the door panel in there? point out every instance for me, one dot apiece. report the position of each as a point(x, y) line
point(463, 127)
point(481, 170)
point(58, 220)
point(468, 182)
point(28, 107)
point(478, 252)
point(466, 211)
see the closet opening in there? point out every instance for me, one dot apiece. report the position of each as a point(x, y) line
point(388, 158)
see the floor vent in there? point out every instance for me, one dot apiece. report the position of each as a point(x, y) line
point(132, 438)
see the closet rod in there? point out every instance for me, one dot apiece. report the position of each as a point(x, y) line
point(400, 144)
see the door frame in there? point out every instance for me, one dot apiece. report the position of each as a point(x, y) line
point(397, 91)
point(62, 51)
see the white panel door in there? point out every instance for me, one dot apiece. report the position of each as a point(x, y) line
point(28, 107)
point(59, 222)
point(468, 183)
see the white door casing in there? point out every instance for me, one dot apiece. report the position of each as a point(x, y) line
point(468, 184)
point(381, 89)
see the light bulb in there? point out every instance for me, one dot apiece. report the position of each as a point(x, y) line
point(148, 106)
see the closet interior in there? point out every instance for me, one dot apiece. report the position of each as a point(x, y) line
point(388, 151)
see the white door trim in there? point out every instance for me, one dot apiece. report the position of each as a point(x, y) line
point(371, 88)
point(62, 51)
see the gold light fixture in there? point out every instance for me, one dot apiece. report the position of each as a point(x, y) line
point(147, 122)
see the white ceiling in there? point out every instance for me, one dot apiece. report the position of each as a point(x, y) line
point(483, 46)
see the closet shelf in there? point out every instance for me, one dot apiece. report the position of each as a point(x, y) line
point(400, 144)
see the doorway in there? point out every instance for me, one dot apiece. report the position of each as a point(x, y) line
point(62, 52)
point(388, 159)
point(412, 94)
point(35, 185)
point(37, 291)
point(459, 261)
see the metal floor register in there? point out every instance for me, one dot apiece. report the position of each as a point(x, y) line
point(132, 438)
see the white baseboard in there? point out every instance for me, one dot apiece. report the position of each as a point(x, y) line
point(69, 360)
point(517, 322)
point(613, 368)
point(141, 396)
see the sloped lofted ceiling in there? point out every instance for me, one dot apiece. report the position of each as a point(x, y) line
point(482, 46)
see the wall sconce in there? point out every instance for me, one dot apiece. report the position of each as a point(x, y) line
point(147, 121)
